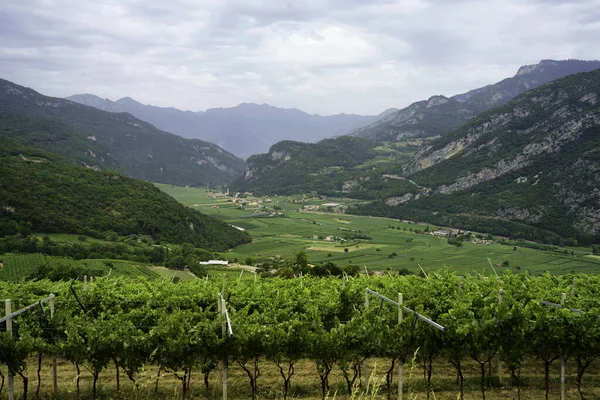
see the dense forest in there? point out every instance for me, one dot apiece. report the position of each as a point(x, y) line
point(42, 193)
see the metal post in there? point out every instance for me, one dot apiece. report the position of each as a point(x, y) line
point(500, 299)
point(11, 378)
point(563, 297)
point(54, 368)
point(400, 361)
point(225, 359)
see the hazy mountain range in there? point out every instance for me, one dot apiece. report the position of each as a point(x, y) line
point(243, 130)
point(107, 141)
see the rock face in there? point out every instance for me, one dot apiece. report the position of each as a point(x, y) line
point(534, 160)
point(439, 115)
point(117, 141)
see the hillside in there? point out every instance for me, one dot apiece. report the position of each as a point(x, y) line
point(296, 167)
point(108, 141)
point(439, 114)
point(42, 192)
point(527, 169)
point(244, 130)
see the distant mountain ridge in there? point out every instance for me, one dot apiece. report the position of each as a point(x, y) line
point(244, 130)
point(440, 114)
point(120, 142)
point(527, 169)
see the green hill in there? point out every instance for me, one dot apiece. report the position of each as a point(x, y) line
point(112, 141)
point(527, 169)
point(296, 167)
point(41, 192)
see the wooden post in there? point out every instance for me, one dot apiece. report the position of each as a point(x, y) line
point(365, 364)
point(400, 361)
point(11, 377)
point(500, 299)
point(85, 283)
point(563, 297)
point(54, 372)
point(225, 358)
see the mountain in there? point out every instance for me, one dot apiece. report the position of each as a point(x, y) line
point(243, 130)
point(296, 167)
point(44, 193)
point(106, 140)
point(528, 169)
point(439, 114)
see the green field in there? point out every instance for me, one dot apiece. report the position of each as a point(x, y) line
point(190, 196)
point(19, 266)
point(297, 229)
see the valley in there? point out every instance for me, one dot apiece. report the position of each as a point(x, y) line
point(297, 230)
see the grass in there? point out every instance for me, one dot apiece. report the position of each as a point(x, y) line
point(305, 383)
point(388, 248)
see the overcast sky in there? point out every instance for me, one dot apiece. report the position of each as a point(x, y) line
point(321, 56)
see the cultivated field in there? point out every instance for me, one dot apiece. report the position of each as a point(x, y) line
point(392, 245)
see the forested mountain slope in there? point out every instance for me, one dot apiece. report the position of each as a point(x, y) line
point(296, 167)
point(43, 192)
point(119, 142)
point(530, 168)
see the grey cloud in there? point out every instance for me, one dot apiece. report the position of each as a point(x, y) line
point(324, 56)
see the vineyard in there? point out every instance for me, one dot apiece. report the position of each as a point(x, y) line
point(487, 334)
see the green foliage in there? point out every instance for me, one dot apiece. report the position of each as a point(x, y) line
point(64, 272)
point(56, 197)
point(131, 323)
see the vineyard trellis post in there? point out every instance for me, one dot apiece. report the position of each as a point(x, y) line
point(401, 308)
point(8, 319)
point(11, 376)
point(54, 367)
point(365, 366)
point(563, 297)
point(500, 299)
point(226, 331)
point(400, 361)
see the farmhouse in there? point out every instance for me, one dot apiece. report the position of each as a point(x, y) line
point(214, 262)
point(311, 207)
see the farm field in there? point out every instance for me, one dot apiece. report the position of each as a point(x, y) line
point(19, 266)
point(391, 245)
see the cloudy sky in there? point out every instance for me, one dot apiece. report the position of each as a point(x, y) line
point(321, 56)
